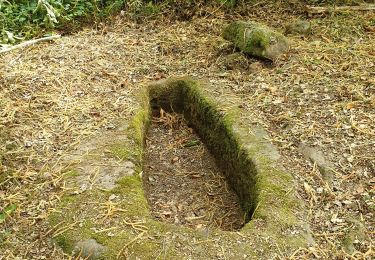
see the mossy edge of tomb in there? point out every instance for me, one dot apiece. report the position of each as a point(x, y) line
point(185, 97)
point(275, 224)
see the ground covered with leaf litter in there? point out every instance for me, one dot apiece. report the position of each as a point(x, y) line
point(182, 182)
point(317, 104)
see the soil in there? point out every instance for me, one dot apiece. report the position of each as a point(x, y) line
point(55, 95)
point(182, 182)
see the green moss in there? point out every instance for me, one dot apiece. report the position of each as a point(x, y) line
point(256, 39)
point(167, 94)
point(133, 149)
point(146, 248)
point(233, 156)
point(123, 152)
point(135, 204)
point(220, 139)
point(71, 174)
point(65, 202)
point(65, 242)
point(137, 130)
point(138, 125)
point(258, 184)
point(130, 183)
point(249, 173)
point(231, 31)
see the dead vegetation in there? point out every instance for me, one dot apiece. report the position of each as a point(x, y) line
point(322, 94)
point(182, 182)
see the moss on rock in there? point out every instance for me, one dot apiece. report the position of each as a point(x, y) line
point(235, 61)
point(256, 39)
point(263, 189)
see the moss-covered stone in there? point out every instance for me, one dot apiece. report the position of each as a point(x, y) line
point(235, 61)
point(120, 221)
point(298, 27)
point(256, 39)
point(89, 249)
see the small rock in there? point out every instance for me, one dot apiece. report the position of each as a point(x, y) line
point(89, 249)
point(47, 175)
point(83, 187)
point(256, 39)
point(235, 61)
point(110, 126)
point(357, 232)
point(298, 27)
point(307, 233)
point(28, 144)
point(109, 175)
point(316, 156)
point(269, 150)
point(113, 197)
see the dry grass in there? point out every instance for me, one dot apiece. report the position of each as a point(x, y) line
point(52, 96)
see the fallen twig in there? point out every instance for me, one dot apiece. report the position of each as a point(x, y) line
point(322, 9)
point(31, 42)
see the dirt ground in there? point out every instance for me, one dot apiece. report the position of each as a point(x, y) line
point(321, 95)
point(182, 182)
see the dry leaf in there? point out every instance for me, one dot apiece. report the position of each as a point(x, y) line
point(351, 105)
point(360, 189)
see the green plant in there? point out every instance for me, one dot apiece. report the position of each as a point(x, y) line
point(22, 19)
point(7, 211)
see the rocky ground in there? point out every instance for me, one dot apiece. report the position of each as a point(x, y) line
point(317, 103)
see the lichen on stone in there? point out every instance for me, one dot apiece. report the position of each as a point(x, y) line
point(256, 39)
